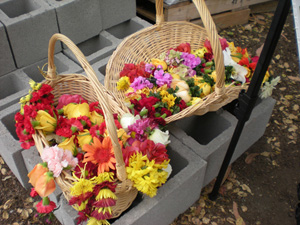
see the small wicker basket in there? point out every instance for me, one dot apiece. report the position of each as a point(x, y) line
point(150, 42)
point(92, 90)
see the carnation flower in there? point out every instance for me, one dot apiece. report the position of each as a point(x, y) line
point(58, 159)
point(45, 206)
point(66, 99)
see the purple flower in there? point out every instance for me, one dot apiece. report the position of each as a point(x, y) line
point(190, 60)
point(149, 67)
point(139, 130)
point(162, 78)
point(140, 83)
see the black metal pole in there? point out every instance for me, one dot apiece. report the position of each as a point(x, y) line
point(246, 101)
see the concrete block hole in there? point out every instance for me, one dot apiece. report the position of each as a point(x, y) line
point(125, 29)
point(9, 122)
point(15, 8)
point(10, 85)
point(212, 125)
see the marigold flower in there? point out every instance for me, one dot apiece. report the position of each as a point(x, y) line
point(100, 153)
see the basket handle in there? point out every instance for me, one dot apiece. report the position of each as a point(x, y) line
point(212, 36)
point(98, 88)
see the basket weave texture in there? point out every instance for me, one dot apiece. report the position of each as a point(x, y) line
point(92, 90)
point(150, 42)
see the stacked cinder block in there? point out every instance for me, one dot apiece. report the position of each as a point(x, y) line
point(10, 148)
point(29, 25)
point(209, 135)
point(7, 63)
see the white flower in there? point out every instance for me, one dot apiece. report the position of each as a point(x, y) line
point(268, 87)
point(128, 119)
point(168, 170)
point(159, 136)
point(240, 71)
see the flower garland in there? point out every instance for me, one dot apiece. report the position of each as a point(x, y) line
point(80, 145)
point(182, 77)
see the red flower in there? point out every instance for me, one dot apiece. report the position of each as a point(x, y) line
point(94, 107)
point(208, 56)
point(182, 105)
point(66, 99)
point(33, 193)
point(244, 62)
point(45, 206)
point(183, 47)
point(133, 71)
point(223, 43)
point(166, 111)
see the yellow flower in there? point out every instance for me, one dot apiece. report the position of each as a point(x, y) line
point(84, 137)
point(199, 52)
point(122, 135)
point(105, 193)
point(123, 83)
point(195, 100)
point(46, 122)
point(206, 89)
point(146, 175)
point(266, 78)
point(69, 144)
point(96, 118)
point(157, 62)
point(164, 93)
point(74, 110)
point(169, 99)
point(105, 176)
point(94, 221)
point(81, 186)
point(82, 206)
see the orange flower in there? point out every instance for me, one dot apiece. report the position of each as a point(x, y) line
point(37, 172)
point(45, 185)
point(100, 153)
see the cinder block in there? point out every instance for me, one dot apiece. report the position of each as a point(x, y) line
point(29, 25)
point(96, 48)
point(10, 148)
point(209, 135)
point(12, 87)
point(173, 198)
point(63, 65)
point(79, 20)
point(117, 11)
point(128, 27)
point(7, 63)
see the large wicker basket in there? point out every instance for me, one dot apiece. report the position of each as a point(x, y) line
point(150, 42)
point(92, 90)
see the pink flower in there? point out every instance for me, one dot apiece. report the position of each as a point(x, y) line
point(66, 99)
point(45, 206)
point(162, 78)
point(58, 159)
point(140, 83)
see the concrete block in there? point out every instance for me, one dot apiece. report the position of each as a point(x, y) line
point(29, 25)
point(96, 48)
point(10, 148)
point(63, 65)
point(128, 27)
point(117, 11)
point(12, 87)
point(79, 20)
point(209, 135)
point(7, 63)
point(173, 198)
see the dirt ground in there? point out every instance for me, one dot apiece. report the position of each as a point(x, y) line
point(262, 185)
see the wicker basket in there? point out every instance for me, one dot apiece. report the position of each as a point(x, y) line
point(92, 90)
point(150, 42)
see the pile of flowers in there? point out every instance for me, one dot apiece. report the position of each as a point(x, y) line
point(182, 77)
point(79, 144)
